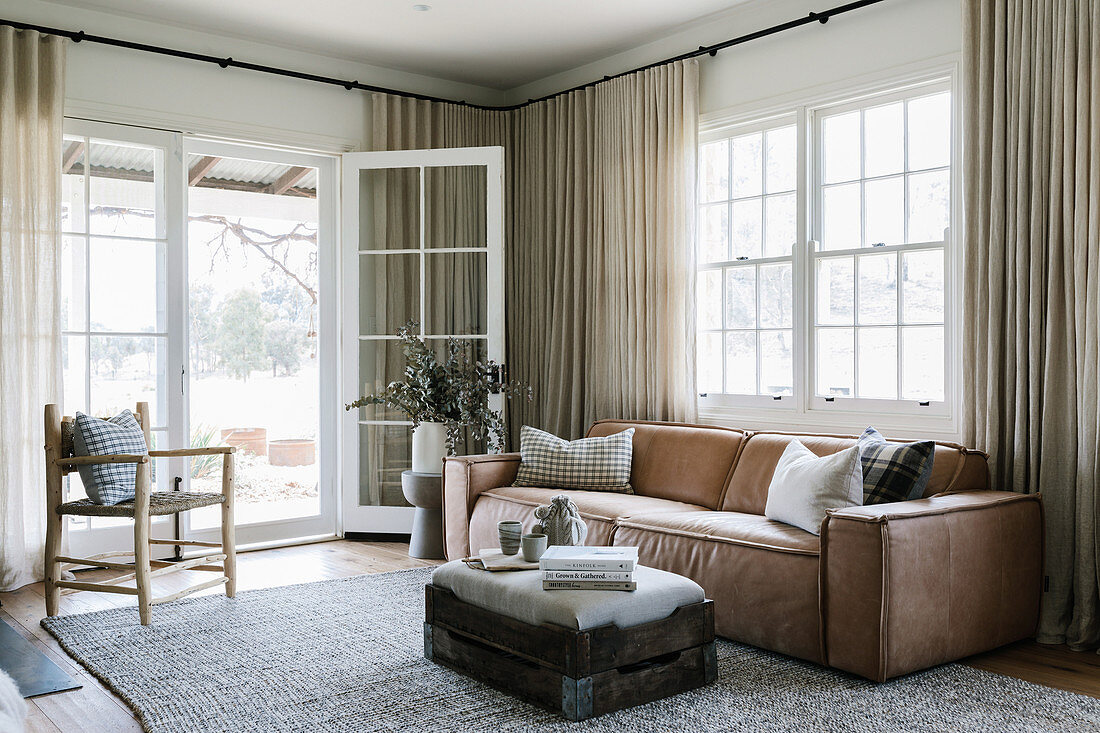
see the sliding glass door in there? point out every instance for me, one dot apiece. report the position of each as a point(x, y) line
point(260, 276)
point(200, 277)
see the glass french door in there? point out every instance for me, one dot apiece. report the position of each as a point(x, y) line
point(423, 244)
point(261, 361)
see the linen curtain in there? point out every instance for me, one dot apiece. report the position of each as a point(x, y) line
point(599, 269)
point(1032, 252)
point(31, 110)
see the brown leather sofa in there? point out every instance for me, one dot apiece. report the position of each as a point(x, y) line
point(885, 590)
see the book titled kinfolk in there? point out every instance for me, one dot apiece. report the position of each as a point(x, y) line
point(611, 559)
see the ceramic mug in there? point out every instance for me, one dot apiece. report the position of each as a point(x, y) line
point(533, 545)
point(509, 531)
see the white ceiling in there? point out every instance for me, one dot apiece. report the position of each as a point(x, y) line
point(493, 43)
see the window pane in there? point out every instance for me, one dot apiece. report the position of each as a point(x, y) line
point(835, 291)
point(781, 230)
point(930, 131)
point(922, 286)
point(884, 140)
point(885, 211)
point(878, 363)
point(842, 217)
point(842, 158)
point(922, 363)
point(714, 233)
point(746, 228)
point(776, 371)
point(747, 170)
point(835, 365)
point(782, 153)
point(741, 297)
point(389, 293)
point(74, 364)
point(73, 205)
point(74, 264)
point(776, 296)
point(708, 294)
point(708, 368)
point(456, 290)
point(741, 362)
point(127, 370)
point(929, 194)
point(878, 289)
point(714, 171)
point(124, 277)
point(122, 192)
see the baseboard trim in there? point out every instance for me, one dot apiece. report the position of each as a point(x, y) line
point(377, 536)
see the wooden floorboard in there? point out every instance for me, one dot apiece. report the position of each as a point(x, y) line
point(95, 708)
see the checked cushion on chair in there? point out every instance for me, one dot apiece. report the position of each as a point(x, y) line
point(108, 483)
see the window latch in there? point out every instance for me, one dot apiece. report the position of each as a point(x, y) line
point(740, 259)
point(926, 403)
point(878, 244)
point(777, 397)
point(702, 394)
point(830, 399)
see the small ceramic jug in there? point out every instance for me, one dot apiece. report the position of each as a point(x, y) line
point(561, 522)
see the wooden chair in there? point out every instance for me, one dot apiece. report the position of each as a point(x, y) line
point(146, 503)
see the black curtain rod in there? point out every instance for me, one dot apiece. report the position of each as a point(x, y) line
point(226, 62)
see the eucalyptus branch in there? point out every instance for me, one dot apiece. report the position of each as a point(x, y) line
point(453, 389)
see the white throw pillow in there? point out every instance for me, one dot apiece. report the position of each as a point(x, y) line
point(804, 485)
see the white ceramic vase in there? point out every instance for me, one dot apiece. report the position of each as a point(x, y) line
point(429, 447)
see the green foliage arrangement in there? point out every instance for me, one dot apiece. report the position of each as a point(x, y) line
point(451, 388)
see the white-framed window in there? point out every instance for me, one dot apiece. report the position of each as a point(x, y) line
point(824, 245)
point(748, 228)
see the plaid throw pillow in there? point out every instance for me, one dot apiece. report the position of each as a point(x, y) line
point(894, 471)
point(600, 464)
point(108, 483)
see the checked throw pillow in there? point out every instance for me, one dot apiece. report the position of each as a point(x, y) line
point(108, 483)
point(894, 471)
point(597, 464)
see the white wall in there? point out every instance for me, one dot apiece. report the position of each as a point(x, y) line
point(895, 33)
point(119, 85)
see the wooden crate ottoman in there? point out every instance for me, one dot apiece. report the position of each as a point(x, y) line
point(581, 653)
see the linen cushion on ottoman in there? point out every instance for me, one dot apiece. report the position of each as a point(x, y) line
point(519, 595)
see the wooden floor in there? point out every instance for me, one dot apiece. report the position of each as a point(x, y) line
point(93, 708)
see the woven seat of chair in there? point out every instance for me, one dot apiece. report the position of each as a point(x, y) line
point(159, 503)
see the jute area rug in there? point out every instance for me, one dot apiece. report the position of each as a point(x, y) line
point(347, 655)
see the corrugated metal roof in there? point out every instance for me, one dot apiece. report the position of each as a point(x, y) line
point(136, 159)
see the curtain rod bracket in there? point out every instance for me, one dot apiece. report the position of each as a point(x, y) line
point(821, 18)
point(224, 63)
point(78, 36)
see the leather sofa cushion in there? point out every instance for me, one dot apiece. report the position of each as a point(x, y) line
point(762, 596)
point(749, 530)
point(599, 510)
point(954, 468)
point(597, 504)
point(686, 463)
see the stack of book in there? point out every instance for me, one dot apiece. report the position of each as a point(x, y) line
point(588, 568)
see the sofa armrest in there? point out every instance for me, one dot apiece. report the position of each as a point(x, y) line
point(464, 478)
point(913, 584)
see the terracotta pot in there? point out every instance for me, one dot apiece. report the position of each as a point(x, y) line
point(247, 439)
point(294, 452)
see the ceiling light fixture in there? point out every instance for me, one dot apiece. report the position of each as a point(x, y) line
point(422, 8)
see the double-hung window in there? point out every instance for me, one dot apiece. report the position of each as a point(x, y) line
point(823, 242)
